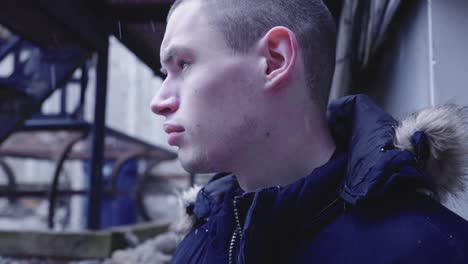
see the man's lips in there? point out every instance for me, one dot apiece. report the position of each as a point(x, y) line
point(172, 128)
point(174, 132)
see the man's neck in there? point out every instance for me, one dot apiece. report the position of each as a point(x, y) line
point(288, 154)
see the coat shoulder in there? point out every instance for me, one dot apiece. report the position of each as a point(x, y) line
point(411, 229)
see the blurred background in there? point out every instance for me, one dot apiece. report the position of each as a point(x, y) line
point(80, 149)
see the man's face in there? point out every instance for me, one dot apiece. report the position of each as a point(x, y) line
point(210, 97)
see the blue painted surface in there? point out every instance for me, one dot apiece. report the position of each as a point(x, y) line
point(119, 210)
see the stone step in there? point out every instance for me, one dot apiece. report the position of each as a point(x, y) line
point(76, 245)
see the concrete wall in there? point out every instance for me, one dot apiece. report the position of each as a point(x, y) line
point(450, 50)
point(403, 77)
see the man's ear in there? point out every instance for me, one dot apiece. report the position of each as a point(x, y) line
point(280, 50)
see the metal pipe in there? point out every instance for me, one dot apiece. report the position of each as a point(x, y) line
point(9, 46)
point(63, 100)
point(83, 86)
point(55, 125)
point(10, 193)
point(55, 182)
point(98, 133)
point(11, 179)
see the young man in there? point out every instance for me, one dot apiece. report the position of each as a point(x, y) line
point(246, 91)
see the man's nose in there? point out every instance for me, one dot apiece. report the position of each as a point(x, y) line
point(165, 106)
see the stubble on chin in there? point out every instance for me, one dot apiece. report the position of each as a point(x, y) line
point(196, 163)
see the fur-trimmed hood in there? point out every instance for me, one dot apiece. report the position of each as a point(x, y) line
point(427, 150)
point(445, 150)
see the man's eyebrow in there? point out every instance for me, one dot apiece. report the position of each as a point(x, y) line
point(167, 56)
point(174, 51)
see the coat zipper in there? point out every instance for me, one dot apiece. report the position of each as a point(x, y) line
point(236, 235)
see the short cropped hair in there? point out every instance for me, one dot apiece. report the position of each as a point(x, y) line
point(244, 22)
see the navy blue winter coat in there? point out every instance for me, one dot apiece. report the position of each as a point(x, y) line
point(369, 204)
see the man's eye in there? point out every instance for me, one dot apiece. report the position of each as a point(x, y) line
point(183, 65)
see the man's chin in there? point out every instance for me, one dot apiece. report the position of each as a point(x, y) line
point(195, 166)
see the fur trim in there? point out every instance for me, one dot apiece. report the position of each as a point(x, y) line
point(184, 221)
point(156, 250)
point(161, 248)
point(446, 129)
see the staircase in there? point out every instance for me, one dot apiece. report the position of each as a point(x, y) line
point(37, 73)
